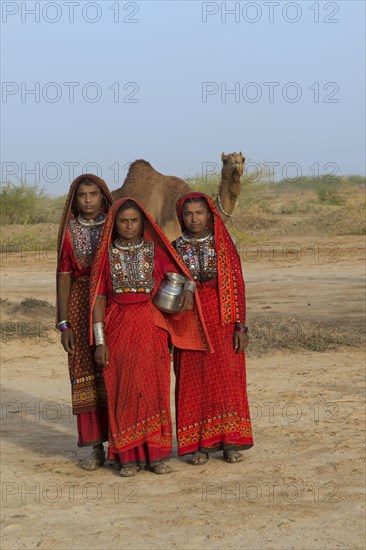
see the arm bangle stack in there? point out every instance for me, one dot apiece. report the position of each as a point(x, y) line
point(63, 325)
point(98, 329)
point(189, 285)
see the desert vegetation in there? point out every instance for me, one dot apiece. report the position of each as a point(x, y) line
point(306, 206)
point(304, 209)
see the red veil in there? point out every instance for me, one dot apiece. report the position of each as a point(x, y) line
point(67, 213)
point(187, 329)
point(230, 275)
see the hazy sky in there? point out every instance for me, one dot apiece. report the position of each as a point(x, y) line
point(177, 83)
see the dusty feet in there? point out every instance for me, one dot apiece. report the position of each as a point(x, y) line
point(95, 460)
point(161, 468)
point(199, 458)
point(129, 471)
point(232, 456)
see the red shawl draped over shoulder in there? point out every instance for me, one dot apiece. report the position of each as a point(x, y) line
point(67, 213)
point(230, 275)
point(187, 329)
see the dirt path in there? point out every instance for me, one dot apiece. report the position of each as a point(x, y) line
point(299, 487)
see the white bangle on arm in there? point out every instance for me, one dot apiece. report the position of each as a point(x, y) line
point(98, 329)
point(189, 285)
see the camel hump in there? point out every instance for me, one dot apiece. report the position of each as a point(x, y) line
point(140, 161)
point(141, 173)
point(157, 192)
point(141, 166)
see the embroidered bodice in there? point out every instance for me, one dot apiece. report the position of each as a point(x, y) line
point(85, 239)
point(132, 267)
point(199, 256)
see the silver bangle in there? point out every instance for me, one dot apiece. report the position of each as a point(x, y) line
point(189, 285)
point(98, 329)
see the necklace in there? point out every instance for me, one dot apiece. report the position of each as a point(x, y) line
point(131, 269)
point(91, 223)
point(128, 246)
point(194, 240)
point(198, 257)
point(222, 208)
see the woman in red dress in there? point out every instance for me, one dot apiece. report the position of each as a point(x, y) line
point(131, 336)
point(211, 398)
point(81, 226)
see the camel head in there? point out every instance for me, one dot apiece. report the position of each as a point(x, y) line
point(233, 163)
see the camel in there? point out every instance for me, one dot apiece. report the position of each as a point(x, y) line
point(159, 193)
point(230, 185)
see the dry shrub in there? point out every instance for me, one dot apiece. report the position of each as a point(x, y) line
point(289, 333)
point(267, 334)
point(30, 304)
point(348, 220)
point(27, 331)
point(39, 237)
point(35, 321)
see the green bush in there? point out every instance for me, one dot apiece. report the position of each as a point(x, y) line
point(330, 193)
point(28, 204)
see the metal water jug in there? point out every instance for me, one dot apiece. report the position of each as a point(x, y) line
point(169, 293)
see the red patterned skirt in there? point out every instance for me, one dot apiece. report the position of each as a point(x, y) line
point(89, 400)
point(137, 379)
point(211, 397)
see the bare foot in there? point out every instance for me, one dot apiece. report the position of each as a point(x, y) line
point(129, 471)
point(161, 468)
point(232, 456)
point(95, 460)
point(199, 458)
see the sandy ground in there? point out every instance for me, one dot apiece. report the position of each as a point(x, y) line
point(300, 487)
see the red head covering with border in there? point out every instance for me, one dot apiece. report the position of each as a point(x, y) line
point(67, 213)
point(188, 329)
point(230, 275)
